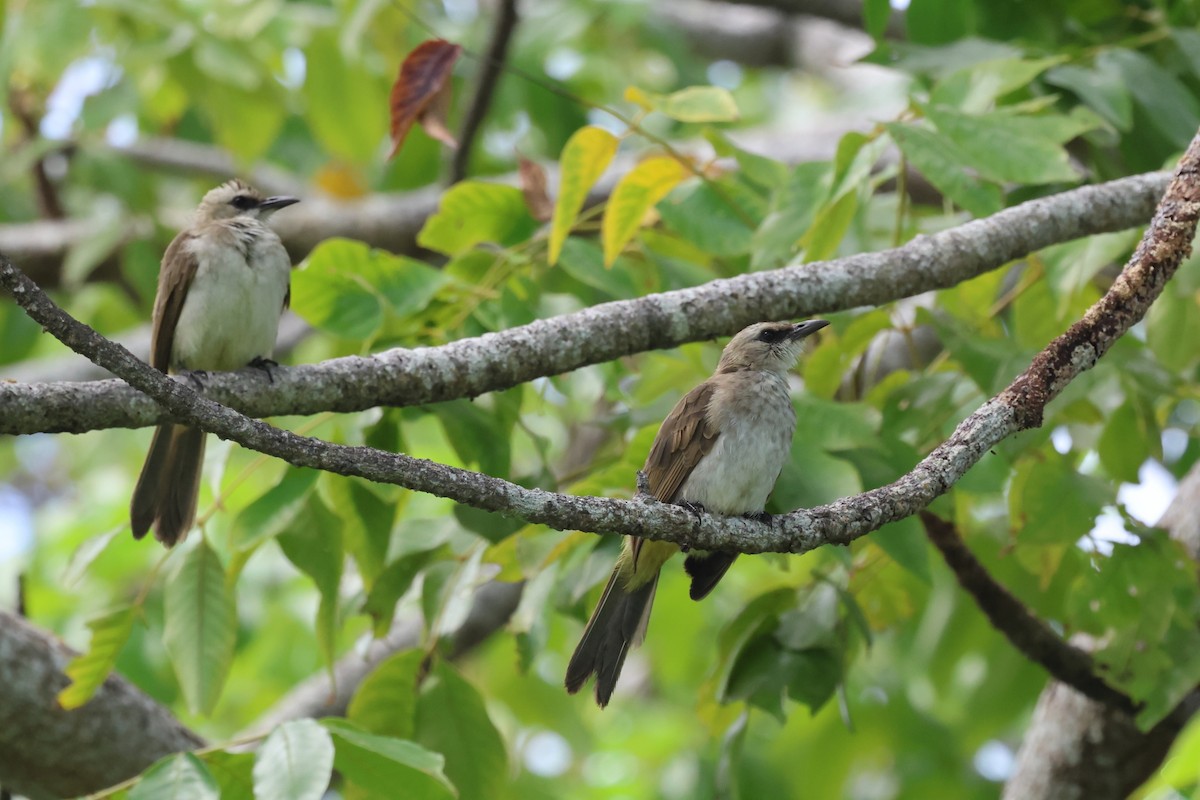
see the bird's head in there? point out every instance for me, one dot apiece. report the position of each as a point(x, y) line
point(772, 346)
point(239, 199)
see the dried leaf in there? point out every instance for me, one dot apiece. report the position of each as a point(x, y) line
point(421, 92)
point(533, 187)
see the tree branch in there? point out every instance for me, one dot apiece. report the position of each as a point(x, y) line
point(490, 67)
point(46, 752)
point(1034, 638)
point(470, 367)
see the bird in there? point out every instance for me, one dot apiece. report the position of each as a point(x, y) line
point(720, 450)
point(224, 282)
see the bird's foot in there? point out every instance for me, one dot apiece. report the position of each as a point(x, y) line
point(197, 377)
point(266, 365)
point(697, 509)
point(761, 516)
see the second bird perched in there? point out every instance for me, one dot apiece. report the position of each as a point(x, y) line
point(721, 449)
point(223, 284)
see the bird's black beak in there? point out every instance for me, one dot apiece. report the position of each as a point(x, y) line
point(276, 203)
point(803, 329)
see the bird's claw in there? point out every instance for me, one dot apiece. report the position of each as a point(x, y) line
point(197, 377)
point(266, 365)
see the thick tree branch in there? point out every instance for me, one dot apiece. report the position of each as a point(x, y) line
point(1034, 638)
point(46, 752)
point(491, 65)
point(471, 367)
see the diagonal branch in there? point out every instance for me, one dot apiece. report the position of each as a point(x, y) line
point(471, 367)
point(1019, 406)
point(1030, 635)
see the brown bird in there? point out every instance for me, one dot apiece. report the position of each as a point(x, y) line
point(720, 450)
point(223, 284)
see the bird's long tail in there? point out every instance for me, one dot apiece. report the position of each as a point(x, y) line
point(166, 491)
point(618, 623)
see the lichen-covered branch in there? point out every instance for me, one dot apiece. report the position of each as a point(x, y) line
point(466, 368)
point(47, 752)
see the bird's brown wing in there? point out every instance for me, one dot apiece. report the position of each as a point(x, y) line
point(685, 437)
point(174, 278)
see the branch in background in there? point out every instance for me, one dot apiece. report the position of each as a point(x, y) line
point(1077, 747)
point(1034, 638)
point(471, 367)
point(491, 609)
point(46, 752)
point(847, 12)
point(1018, 407)
point(490, 67)
point(390, 221)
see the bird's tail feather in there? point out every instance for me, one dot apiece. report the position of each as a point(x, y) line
point(706, 570)
point(618, 623)
point(166, 491)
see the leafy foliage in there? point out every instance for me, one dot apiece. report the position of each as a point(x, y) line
point(871, 667)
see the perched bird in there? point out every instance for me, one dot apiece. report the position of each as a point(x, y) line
point(720, 450)
point(223, 284)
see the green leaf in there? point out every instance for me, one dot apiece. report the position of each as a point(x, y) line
point(582, 260)
point(876, 15)
point(473, 212)
point(812, 477)
point(179, 777)
point(975, 88)
point(366, 521)
point(700, 104)
point(294, 763)
point(1101, 88)
point(700, 215)
point(939, 21)
point(452, 719)
point(244, 123)
point(939, 160)
point(374, 766)
point(825, 234)
point(759, 615)
point(347, 287)
point(234, 774)
point(1123, 445)
point(275, 511)
point(584, 158)
point(1004, 147)
point(1170, 106)
point(391, 584)
point(635, 194)
point(904, 541)
point(1051, 503)
point(479, 437)
point(110, 632)
point(385, 703)
point(314, 546)
point(833, 425)
point(200, 627)
point(347, 103)
point(793, 207)
point(1173, 328)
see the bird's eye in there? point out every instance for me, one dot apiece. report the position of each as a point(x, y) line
point(243, 202)
point(771, 335)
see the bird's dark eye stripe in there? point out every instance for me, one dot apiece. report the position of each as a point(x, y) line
point(244, 201)
point(771, 335)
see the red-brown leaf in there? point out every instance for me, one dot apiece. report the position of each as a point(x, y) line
point(533, 187)
point(421, 91)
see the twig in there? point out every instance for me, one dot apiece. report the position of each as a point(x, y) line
point(1033, 637)
point(490, 68)
point(471, 367)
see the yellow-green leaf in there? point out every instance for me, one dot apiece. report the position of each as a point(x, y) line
point(700, 104)
point(88, 670)
point(584, 158)
point(634, 195)
point(649, 101)
point(200, 628)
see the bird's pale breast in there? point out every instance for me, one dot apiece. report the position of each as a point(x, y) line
point(753, 412)
point(231, 314)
